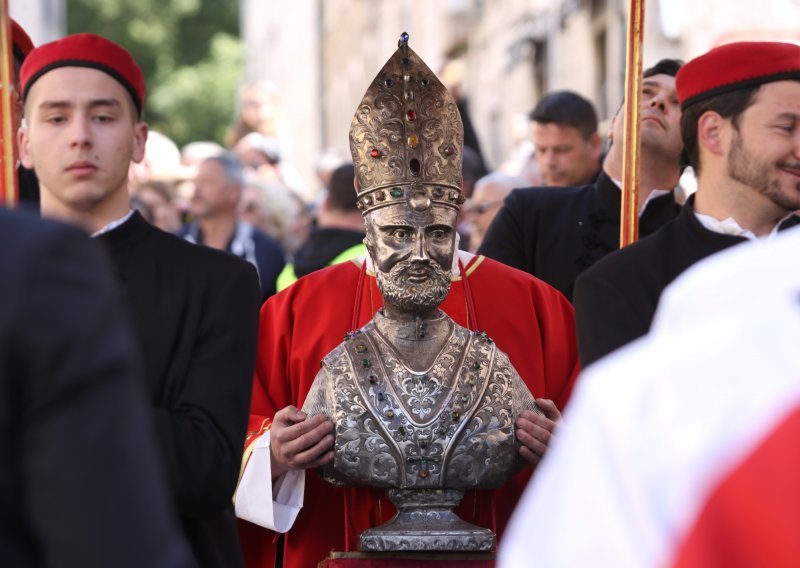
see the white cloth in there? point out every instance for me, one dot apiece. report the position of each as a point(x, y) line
point(113, 224)
point(655, 193)
point(729, 226)
point(656, 426)
point(257, 501)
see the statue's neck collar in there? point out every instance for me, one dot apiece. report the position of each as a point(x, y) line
point(418, 329)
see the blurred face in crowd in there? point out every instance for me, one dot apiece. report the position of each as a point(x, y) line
point(165, 214)
point(412, 252)
point(660, 118)
point(213, 192)
point(764, 151)
point(484, 205)
point(564, 156)
point(258, 106)
point(81, 136)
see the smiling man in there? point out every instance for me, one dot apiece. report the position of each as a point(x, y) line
point(194, 310)
point(555, 233)
point(741, 129)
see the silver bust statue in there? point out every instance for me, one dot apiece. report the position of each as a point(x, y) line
point(420, 405)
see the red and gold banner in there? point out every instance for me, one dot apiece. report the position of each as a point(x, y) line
point(8, 159)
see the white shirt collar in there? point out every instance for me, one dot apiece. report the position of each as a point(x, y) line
point(729, 226)
point(654, 194)
point(113, 224)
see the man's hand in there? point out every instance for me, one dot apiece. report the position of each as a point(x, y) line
point(535, 431)
point(299, 442)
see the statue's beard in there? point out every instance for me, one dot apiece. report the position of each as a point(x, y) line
point(414, 297)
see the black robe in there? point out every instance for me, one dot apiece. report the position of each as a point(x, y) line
point(195, 314)
point(616, 299)
point(81, 482)
point(555, 233)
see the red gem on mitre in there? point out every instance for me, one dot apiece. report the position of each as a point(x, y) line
point(375, 153)
point(412, 116)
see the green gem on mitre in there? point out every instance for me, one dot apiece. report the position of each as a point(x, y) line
point(396, 192)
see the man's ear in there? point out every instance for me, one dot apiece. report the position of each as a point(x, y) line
point(711, 132)
point(139, 141)
point(23, 146)
point(596, 145)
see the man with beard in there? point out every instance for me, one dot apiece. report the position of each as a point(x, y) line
point(741, 130)
point(555, 233)
point(408, 185)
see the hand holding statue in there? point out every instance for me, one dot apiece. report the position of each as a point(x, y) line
point(299, 442)
point(536, 431)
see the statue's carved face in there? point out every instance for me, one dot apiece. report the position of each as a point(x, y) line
point(412, 251)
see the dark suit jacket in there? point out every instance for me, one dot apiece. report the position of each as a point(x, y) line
point(253, 245)
point(195, 314)
point(616, 299)
point(555, 233)
point(81, 482)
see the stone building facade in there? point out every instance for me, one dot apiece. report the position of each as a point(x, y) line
point(322, 54)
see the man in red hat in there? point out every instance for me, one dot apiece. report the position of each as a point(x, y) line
point(741, 131)
point(194, 309)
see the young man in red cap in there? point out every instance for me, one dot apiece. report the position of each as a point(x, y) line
point(741, 130)
point(194, 309)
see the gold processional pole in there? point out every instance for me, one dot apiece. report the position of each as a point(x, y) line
point(629, 215)
point(8, 161)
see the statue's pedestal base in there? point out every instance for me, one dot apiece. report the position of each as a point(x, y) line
point(425, 522)
point(408, 560)
point(435, 532)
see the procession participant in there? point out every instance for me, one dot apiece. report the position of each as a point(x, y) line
point(741, 130)
point(555, 233)
point(406, 140)
point(707, 475)
point(68, 370)
point(567, 145)
point(194, 310)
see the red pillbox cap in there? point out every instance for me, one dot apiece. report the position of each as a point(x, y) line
point(736, 66)
point(85, 50)
point(21, 41)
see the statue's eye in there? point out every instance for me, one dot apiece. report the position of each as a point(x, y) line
point(438, 234)
point(400, 233)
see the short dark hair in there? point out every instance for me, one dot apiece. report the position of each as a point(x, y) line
point(664, 67)
point(729, 105)
point(232, 168)
point(341, 192)
point(567, 108)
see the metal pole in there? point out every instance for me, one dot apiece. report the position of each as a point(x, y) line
point(629, 214)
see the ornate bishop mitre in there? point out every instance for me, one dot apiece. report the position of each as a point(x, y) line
point(406, 138)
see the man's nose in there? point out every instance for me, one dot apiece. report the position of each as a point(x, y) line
point(81, 133)
point(658, 101)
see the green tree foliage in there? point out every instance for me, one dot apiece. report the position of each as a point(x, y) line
point(188, 50)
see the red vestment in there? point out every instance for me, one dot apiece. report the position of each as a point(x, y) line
point(529, 320)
